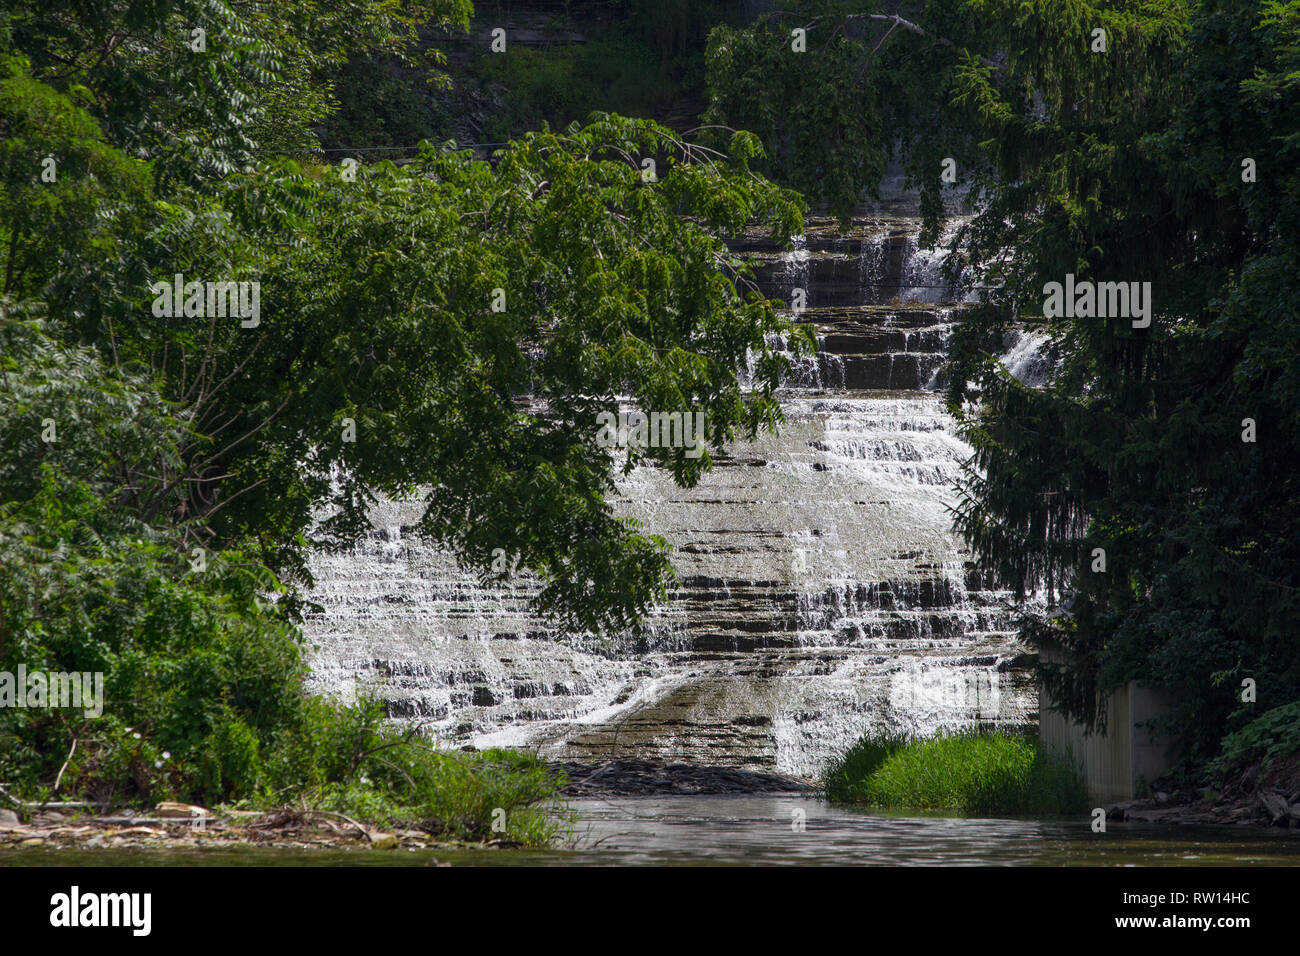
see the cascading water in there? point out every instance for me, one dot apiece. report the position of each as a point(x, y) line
point(1028, 359)
point(823, 592)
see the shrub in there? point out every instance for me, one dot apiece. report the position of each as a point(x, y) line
point(1273, 736)
point(203, 671)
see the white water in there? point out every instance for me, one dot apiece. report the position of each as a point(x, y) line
point(823, 591)
point(1028, 360)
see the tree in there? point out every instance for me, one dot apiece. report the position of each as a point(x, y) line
point(853, 88)
point(455, 325)
point(1136, 450)
point(473, 320)
point(203, 86)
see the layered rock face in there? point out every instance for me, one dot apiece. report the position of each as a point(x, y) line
point(823, 593)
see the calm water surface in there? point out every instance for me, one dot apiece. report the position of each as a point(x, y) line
point(775, 830)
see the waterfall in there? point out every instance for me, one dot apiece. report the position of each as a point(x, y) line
point(822, 591)
point(1028, 360)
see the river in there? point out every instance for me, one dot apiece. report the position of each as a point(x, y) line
point(772, 830)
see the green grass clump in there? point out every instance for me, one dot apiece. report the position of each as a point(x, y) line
point(973, 772)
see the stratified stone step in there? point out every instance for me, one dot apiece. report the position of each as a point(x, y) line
point(822, 590)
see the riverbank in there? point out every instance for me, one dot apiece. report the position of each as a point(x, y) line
point(718, 829)
point(1261, 805)
point(174, 826)
point(1258, 797)
point(178, 826)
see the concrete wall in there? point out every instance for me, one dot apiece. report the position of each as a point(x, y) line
point(1112, 763)
point(1152, 755)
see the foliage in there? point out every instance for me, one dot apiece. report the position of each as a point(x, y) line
point(612, 73)
point(320, 40)
point(384, 105)
point(1272, 736)
point(65, 228)
point(843, 777)
point(203, 694)
point(378, 312)
point(493, 794)
point(160, 537)
point(202, 105)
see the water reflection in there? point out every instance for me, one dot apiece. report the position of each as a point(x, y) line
point(775, 830)
point(765, 831)
point(772, 830)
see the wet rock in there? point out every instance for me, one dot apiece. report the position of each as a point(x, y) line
point(883, 617)
point(1275, 805)
point(631, 777)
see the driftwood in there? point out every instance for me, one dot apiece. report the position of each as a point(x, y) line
point(294, 815)
point(329, 813)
